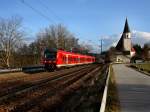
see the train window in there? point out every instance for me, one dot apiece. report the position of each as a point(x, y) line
point(50, 54)
point(79, 60)
point(63, 59)
point(69, 59)
point(74, 59)
point(82, 59)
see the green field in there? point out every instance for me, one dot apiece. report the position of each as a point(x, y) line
point(144, 67)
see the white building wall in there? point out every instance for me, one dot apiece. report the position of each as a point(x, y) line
point(122, 59)
point(127, 44)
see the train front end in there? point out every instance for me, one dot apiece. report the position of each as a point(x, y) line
point(49, 59)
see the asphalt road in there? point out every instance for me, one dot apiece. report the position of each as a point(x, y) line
point(133, 88)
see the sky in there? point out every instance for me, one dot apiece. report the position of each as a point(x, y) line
point(88, 20)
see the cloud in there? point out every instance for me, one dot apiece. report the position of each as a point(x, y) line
point(138, 37)
point(28, 40)
point(139, 34)
point(110, 40)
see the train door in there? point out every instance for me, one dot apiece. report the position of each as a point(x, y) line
point(78, 59)
point(63, 59)
point(66, 58)
point(58, 60)
point(73, 59)
point(69, 59)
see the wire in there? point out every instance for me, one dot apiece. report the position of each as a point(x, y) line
point(48, 8)
point(37, 11)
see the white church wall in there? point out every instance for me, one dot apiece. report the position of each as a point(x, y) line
point(127, 44)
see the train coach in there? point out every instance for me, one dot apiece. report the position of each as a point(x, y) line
point(53, 59)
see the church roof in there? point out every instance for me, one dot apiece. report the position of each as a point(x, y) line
point(126, 27)
point(119, 46)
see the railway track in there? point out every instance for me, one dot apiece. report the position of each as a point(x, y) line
point(45, 90)
point(26, 82)
point(89, 96)
point(53, 103)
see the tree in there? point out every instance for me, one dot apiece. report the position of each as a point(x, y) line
point(11, 34)
point(145, 53)
point(111, 55)
point(57, 37)
point(85, 48)
point(138, 50)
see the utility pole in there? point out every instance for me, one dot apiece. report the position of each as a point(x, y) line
point(101, 41)
point(101, 46)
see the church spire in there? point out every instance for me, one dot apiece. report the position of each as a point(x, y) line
point(126, 27)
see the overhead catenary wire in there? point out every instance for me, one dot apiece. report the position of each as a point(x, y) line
point(38, 12)
point(50, 10)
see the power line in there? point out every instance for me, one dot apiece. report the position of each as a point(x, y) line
point(48, 8)
point(37, 11)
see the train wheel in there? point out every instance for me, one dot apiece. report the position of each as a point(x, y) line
point(53, 66)
point(47, 67)
point(50, 68)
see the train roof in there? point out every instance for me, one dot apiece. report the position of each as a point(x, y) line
point(66, 52)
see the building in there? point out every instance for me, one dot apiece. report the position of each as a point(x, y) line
point(124, 46)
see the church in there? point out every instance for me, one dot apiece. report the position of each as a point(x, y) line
point(124, 47)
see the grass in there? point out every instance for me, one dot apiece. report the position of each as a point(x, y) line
point(142, 67)
point(113, 104)
point(145, 66)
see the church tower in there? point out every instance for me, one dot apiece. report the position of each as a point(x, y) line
point(124, 47)
point(124, 44)
point(126, 38)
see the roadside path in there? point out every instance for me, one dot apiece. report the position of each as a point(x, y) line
point(133, 88)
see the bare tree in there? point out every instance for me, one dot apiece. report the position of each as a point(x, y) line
point(11, 34)
point(57, 37)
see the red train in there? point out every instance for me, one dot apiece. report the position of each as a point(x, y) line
point(58, 58)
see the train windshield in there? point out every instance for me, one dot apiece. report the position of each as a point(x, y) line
point(50, 54)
